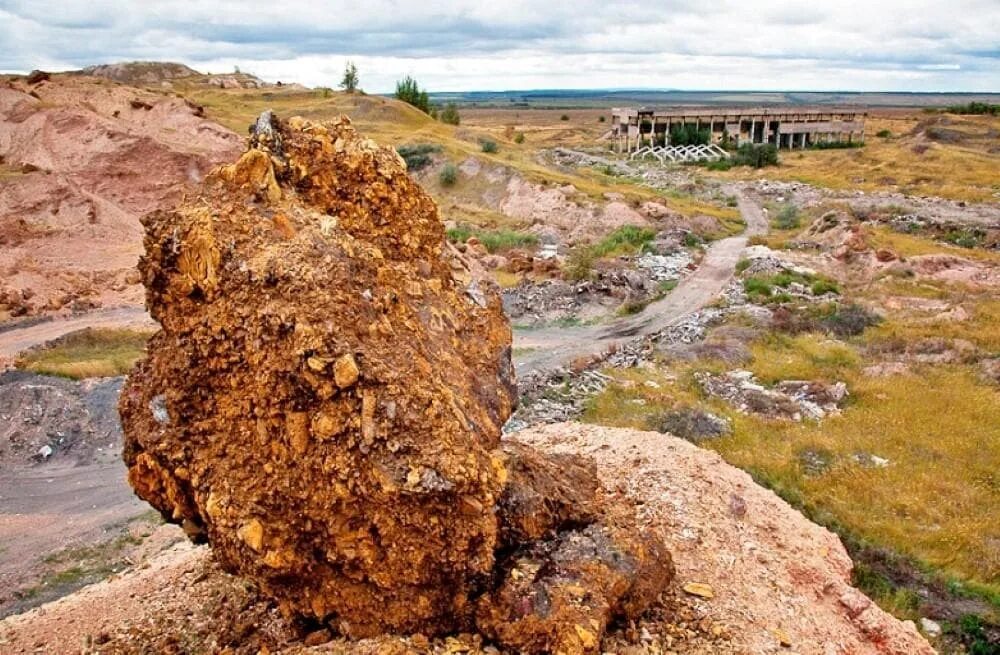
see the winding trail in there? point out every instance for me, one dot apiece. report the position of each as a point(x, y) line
point(548, 349)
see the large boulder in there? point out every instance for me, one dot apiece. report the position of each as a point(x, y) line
point(324, 401)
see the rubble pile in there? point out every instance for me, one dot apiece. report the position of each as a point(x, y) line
point(324, 403)
point(789, 399)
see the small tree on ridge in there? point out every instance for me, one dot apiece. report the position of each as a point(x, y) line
point(350, 81)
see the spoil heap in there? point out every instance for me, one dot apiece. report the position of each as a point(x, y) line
point(324, 401)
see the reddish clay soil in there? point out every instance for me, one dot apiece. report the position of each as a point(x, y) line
point(80, 160)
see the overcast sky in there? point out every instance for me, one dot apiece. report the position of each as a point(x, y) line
point(869, 45)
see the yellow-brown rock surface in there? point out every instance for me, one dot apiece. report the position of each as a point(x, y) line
point(323, 404)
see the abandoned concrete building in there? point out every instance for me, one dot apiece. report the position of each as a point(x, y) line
point(784, 127)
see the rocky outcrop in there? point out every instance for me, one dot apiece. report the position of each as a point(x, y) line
point(324, 402)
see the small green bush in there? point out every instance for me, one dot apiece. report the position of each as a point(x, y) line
point(755, 286)
point(819, 287)
point(883, 134)
point(787, 218)
point(448, 175)
point(719, 165)
point(847, 320)
point(742, 265)
point(450, 115)
point(600, 119)
point(417, 155)
point(489, 146)
point(691, 240)
point(757, 155)
point(626, 239)
point(564, 117)
point(579, 264)
point(519, 137)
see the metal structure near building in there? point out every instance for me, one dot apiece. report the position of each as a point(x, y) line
point(799, 127)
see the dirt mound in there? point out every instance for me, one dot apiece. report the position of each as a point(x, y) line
point(324, 405)
point(140, 73)
point(82, 160)
point(760, 578)
point(46, 418)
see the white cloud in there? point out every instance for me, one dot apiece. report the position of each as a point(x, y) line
point(917, 45)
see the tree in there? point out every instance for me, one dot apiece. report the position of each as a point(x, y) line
point(350, 81)
point(409, 92)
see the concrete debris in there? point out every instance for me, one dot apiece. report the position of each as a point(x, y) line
point(790, 399)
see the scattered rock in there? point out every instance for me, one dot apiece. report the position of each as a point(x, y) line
point(37, 76)
point(699, 589)
point(789, 399)
point(929, 627)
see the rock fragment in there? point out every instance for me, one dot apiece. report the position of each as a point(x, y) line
point(324, 403)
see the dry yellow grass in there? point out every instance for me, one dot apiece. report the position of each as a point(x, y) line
point(961, 171)
point(389, 121)
point(939, 427)
point(90, 353)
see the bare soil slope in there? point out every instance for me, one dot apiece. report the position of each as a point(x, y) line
point(81, 159)
point(777, 582)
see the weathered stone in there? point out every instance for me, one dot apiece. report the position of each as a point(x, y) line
point(307, 462)
point(324, 401)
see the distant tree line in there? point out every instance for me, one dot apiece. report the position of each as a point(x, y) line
point(974, 108)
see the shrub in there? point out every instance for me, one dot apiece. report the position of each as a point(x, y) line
point(600, 119)
point(627, 238)
point(417, 155)
point(488, 145)
point(564, 117)
point(756, 155)
point(448, 175)
point(787, 218)
point(492, 240)
point(579, 264)
point(450, 115)
point(742, 265)
point(819, 287)
point(691, 240)
point(848, 320)
point(968, 238)
point(883, 134)
point(409, 92)
point(689, 135)
point(755, 286)
point(719, 165)
point(519, 137)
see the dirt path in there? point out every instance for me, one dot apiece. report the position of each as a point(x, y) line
point(546, 349)
point(16, 340)
point(48, 508)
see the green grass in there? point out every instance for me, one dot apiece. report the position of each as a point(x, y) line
point(89, 353)
point(626, 240)
point(493, 240)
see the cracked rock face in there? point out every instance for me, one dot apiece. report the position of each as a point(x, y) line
point(324, 401)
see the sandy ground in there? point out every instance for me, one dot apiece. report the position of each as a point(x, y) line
point(779, 583)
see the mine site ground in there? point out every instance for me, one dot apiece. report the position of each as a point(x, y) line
point(829, 325)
